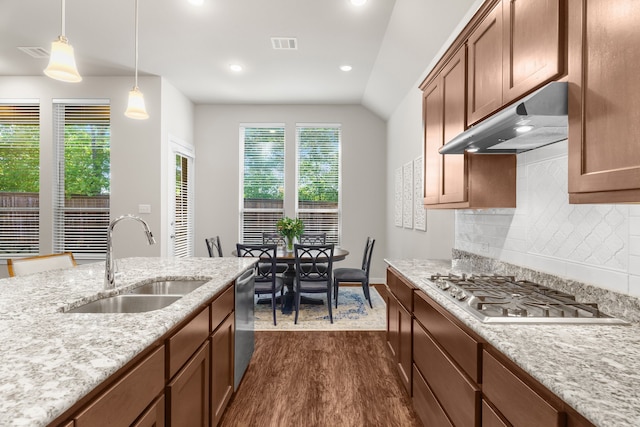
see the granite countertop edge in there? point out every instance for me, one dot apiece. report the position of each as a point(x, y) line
point(594, 368)
point(50, 359)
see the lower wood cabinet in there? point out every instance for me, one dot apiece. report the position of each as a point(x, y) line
point(222, 373)
point(458, 395)
point(185, 379)
point(457, 379)
point(126, 399)
point(154, 416)
point(399, 325)
point(188, 393)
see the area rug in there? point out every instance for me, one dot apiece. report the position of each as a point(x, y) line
point(353, 313)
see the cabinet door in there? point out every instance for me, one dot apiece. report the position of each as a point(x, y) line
point(533, 35)
point(433, 134)
point(393, 327)
point(128, 397)
point(453, 166)
point(188, 392)
point(604, 130)
point(485, 67)
point(222, 353)
point(405, 353)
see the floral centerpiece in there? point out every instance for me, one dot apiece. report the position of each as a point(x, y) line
point(290, 228)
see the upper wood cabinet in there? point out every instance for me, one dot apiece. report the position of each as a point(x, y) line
point(485, 66)
point(444, 118)
point(460, 180)
point(516, 48)
point(534, 40)
point(604, 130)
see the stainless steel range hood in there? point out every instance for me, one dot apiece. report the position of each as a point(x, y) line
point(538, 119)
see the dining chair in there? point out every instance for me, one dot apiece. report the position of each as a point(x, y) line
point(267, 282)
point(314, 265)
point(269, 238)
point(214, 246)
point(356, 275)
point(39, 263)
point(313, 239)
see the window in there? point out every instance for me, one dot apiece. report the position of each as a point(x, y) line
point(262, 180)
point(82, 134)
point(19, 179)
point(318, 179)
point(183, 204)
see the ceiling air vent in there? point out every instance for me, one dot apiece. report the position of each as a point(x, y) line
point(284, 43)
point(35, 52)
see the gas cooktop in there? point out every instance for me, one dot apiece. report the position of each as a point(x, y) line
point(503, 299)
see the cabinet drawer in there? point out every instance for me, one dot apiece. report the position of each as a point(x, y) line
point(425, 403)
point(221, 307)
point(153, 416)
point(517, 402)
point(186, 341)
point(490, 418)
point(459, 397)
point(402, 289)
point(462, 348)
point(124, 401)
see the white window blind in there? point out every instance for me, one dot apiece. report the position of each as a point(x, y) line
point(19, 179)
point(262, 180)
point(82, 135)
point(318, 179)
point(183, 226)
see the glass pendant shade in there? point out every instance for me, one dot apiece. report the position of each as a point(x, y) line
point(62, 63)
point(136, 108)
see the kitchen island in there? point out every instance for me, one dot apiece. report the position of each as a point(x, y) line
point(592, 368)
point(51, 359)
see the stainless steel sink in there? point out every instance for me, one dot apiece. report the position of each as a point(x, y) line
point(128, 303)
point(168, 287)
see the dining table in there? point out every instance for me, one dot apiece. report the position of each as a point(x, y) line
point(288, 257)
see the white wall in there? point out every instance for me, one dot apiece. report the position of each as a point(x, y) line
point(136, 149)
point(363, 172)
point(596, 244)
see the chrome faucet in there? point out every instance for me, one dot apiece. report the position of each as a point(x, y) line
point(109, 271)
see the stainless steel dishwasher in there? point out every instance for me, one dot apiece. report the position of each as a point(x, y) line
point(244, 312)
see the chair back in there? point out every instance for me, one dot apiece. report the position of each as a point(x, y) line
point(366, 260)
point(213, 246)
point(272, 239)
point(313, 239)
point(265, 268)
point(314, 263)
point(39, 263)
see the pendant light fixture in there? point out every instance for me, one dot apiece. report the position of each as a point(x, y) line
point(135, 107)
point(62, 63)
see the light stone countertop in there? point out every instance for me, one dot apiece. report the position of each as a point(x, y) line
point(593, 368)
point(50, 359)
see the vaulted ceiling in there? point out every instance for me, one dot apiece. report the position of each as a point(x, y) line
point(388, 43)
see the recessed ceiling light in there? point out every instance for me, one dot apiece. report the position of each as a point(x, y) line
point(197, 2)
point(346, 67)
point(235, 67)
point(358, 2)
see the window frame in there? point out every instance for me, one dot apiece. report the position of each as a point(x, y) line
point(272, 214)
point(338, 210)
point(97, 243)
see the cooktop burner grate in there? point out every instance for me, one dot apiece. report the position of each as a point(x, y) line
point(503, 299)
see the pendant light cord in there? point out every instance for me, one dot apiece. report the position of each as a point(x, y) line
point(62, 20)
point(136, 50)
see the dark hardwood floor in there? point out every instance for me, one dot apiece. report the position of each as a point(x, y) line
point(318, 379)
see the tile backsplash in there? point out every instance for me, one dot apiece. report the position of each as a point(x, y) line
point(596, 244)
